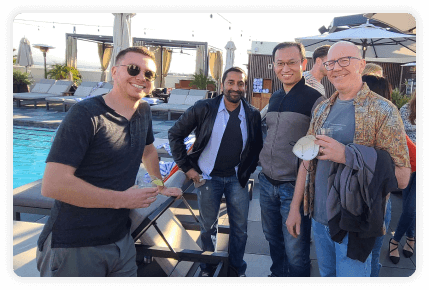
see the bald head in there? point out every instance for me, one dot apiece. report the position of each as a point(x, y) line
point(346, 68)
point(351, 48)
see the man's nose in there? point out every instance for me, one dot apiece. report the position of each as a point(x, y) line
point(337, 66)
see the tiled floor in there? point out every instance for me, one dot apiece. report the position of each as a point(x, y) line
point(257, 249)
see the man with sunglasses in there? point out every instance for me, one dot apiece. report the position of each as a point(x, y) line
point(288, 118)
point(356, 115)
point(228, 141)
point(91, 171)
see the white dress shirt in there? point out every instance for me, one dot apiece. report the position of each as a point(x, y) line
point(208, 156)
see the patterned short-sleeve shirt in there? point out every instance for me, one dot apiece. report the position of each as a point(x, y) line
point(312, 82)
point(378, 124)
point(410, 129)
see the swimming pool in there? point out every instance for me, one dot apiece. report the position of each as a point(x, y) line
point(30, 148)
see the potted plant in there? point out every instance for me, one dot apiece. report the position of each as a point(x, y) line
point(201, 81)
point(21, 81)
point(62, 72)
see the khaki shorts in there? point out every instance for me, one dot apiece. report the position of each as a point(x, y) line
point(113, 260)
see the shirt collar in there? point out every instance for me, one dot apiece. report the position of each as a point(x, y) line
point(358, 99)
point(222, 107)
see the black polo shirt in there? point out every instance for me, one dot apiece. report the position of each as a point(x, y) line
point(106, 150)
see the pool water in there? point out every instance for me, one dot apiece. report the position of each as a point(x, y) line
point(30, 148)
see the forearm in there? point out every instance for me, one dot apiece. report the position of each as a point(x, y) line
point(60, 183)
point(402, 176)
point(298, 195)
point(151, 161)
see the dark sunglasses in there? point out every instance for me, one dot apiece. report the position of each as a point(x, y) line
point(134, 70)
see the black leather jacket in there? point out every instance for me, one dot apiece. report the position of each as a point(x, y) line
point(201, 117)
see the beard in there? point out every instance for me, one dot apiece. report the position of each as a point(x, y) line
point(233, 99)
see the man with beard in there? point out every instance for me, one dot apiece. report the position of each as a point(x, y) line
point(225, 153)
point(288, 118)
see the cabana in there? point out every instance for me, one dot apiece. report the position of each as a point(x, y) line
point(162, 49)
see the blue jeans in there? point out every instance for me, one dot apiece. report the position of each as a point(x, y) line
point(237, 205)
point(407, 221)
point(332, 257)
point(375, 262)
point(290, 256)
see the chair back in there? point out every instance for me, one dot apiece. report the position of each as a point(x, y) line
point(178, 97)
point(195, 95)
point(60, 87)
point(101, 91)
point(84, 89)
point(43, 86)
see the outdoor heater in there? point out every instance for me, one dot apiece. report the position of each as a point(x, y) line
point(44, 48)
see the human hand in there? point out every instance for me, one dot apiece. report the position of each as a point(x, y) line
point(135, 197)
point(171, 191)
point(193, 175)
point(330, 149)
point(293, 222)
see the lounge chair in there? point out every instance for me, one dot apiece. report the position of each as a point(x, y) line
point(56, 90)
point(40, 87)
point(104, 89)
point(82, 91)
point(180, 100)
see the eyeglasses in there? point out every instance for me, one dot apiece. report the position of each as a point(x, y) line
point(342, 62)
point(281, 64)
point(134, 70)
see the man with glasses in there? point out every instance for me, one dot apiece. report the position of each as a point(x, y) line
point(288, 118)
point(355, 115)
point(228, 141)
point(91, 171)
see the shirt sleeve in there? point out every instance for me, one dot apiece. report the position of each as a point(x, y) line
point(72, 138)
point(392, 138)
point(412, 150)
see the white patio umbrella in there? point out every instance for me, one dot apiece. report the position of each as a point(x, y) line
point(404, 22)
point(24, 57)
point(375, 42)
point(230, 48)
point(121, 34)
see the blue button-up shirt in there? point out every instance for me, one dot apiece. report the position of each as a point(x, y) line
point(208, 156)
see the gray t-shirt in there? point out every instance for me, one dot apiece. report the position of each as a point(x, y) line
point(341, 119)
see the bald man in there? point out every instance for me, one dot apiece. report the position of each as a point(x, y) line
point(357, 116)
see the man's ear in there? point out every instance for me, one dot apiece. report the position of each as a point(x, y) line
point(304, 64)
point(362, 67)
point(113, 70)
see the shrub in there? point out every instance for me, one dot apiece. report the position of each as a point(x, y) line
point(398, 99)
point(61, 72)
point(21, 78)
point(201, 81)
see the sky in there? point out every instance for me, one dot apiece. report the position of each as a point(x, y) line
point(242, 28)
